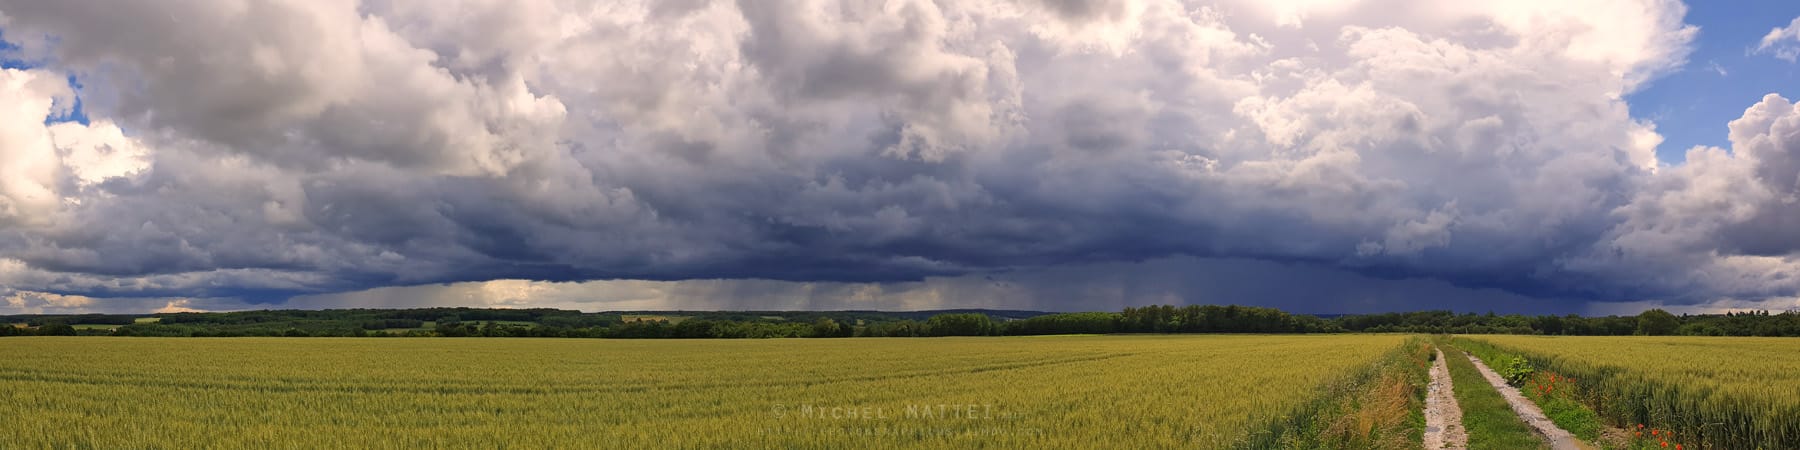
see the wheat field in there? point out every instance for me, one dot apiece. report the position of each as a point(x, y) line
point(1059, 392)
point(1719, 392)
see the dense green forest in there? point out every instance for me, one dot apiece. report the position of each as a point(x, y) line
point(474, 322)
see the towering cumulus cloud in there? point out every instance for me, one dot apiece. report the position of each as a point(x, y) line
point(262, 149)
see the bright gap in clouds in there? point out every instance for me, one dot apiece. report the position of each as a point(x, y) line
point(1726, 72)
point(1321, 157)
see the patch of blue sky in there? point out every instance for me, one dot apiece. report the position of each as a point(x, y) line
point(1724, 75)
point(76, 113)
point(9, 54)
point(11, 59)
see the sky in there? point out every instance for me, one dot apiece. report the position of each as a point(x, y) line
point(1529, 156)
point(1726, 71)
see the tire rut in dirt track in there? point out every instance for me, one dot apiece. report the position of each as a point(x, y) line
point(1559, 438)
point(1443, 417)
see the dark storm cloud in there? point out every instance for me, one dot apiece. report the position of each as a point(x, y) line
point(1082, 287)
point(1085, 10)
point(287, 147)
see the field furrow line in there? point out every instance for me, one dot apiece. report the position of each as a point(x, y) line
point(458, 388)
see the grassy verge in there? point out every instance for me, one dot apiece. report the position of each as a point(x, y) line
point(1650, 412)
point(1379, 407)
point(1557, 394)
point(1490, 421)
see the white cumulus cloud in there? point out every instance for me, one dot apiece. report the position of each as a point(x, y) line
point(1783, 42)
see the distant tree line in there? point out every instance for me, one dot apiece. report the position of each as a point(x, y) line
point(475, 322)
point(1655, 322)
point(47, 329)
point(82, 319)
